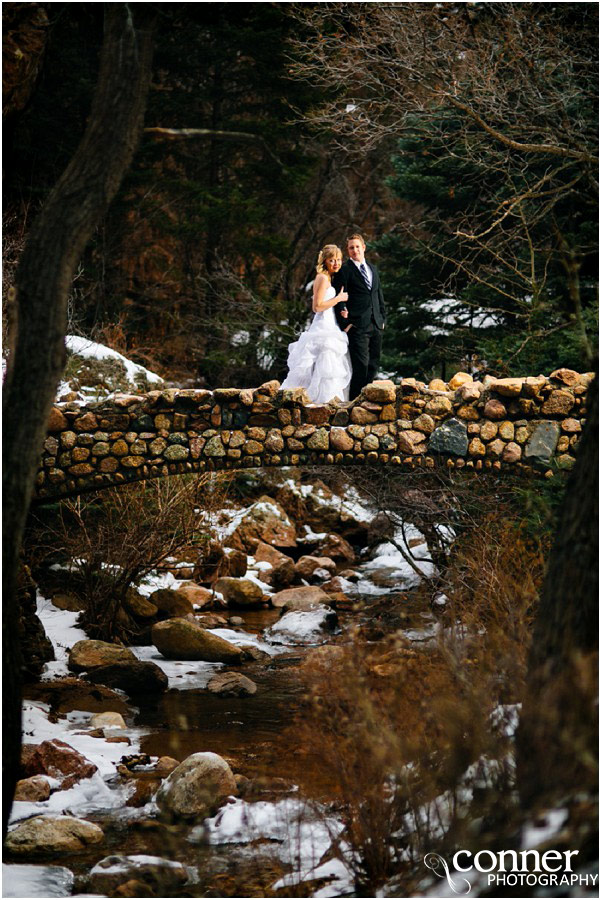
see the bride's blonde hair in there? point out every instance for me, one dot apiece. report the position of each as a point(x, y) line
point(326, 253)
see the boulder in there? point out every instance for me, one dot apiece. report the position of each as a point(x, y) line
point(239, 591)
point(139, 606)
point(171, 603)
point(59, 760)
point(197, 787)
point(299, 598)
point(70, 602)
point(114, 872)
point(86, 655)
point(108, 720)
point(132, 677)
point(217, 562)
point(166, 765)
point(254, 653)
point(232, 684)
point(264, 521)
point(306, 565)
point(52, 835)
point(266, 553)
point(304, 626)
point(73, 693)
point(283, 574)
point(33, 790)
point(181, 639)
point(197, 595)
point(336, 547)
point(209, 620)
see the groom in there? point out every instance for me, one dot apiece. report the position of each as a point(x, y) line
point(366, 313)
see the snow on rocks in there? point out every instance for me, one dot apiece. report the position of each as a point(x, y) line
point(197, 787)
point(36, 881)
point(300, 834)
point(303, 626)
point(95, 371)
point(164, 874)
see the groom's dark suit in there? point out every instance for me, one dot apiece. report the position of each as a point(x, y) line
point(367, 315)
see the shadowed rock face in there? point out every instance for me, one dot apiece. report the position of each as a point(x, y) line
point(507, 423)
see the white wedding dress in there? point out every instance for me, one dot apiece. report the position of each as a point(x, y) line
point(320, 361)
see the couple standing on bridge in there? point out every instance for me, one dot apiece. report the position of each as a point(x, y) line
point(340, 351)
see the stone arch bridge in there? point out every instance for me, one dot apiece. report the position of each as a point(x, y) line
point(508, 424)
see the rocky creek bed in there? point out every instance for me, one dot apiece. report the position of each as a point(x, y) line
point(170, 768)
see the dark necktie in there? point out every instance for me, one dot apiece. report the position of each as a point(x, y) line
point(363, 270)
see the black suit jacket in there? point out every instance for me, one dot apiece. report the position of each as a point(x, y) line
point(363, 302)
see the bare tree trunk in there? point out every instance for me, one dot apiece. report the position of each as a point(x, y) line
point(53, 249)
point(558, 735)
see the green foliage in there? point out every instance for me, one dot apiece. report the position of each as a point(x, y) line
point(522, 297)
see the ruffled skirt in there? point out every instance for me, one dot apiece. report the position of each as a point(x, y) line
point(320, 361)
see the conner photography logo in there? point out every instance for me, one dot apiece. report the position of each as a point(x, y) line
point(552, 868)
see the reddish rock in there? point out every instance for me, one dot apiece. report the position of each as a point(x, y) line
point(197, 595)
point(336, 547)
point(56, 759)
point(57, 421)
point(306, 565)
point(264, 521)
point(341, 440)
point(571, 426)
point(299, 598)
point(411, 442)
point(266, 553)
point(495, 410)
point(317, 415)
point(512, 453)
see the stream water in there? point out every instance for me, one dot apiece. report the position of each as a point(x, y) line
point(262, 844)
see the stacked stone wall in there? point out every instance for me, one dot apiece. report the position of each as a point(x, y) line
point(520, 424)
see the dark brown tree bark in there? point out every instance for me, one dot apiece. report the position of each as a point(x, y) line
point(37, 358)
point(558, 735)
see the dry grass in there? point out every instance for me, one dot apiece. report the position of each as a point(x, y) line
point(400, 726)
point(112, 539)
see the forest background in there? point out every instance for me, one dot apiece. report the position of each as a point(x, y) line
point(258, 150)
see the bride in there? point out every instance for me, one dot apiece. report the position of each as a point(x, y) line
point(319, 361)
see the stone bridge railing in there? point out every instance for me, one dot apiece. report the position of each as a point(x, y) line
point(516, 424)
